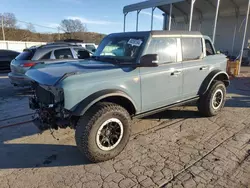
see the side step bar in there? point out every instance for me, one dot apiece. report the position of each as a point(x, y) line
point(165, 108)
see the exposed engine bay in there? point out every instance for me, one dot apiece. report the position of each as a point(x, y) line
point(48, 102)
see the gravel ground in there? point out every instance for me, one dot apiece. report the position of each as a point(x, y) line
point(176, 148)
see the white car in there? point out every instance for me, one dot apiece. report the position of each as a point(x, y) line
point(89, 46)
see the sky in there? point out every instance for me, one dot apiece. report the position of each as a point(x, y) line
point(102, 16)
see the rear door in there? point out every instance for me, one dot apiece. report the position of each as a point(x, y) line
point(195, 66)
point(162, 85)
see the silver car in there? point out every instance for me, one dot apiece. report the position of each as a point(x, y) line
point(45, 54)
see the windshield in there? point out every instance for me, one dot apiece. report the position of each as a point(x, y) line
point(120, 48)
point(25, 55)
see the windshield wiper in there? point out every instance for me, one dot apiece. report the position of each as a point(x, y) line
point(112, 59)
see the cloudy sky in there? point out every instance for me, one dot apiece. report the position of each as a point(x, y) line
point(103, 16)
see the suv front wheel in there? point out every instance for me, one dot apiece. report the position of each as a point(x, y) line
point(103, 132)
point(211, 103)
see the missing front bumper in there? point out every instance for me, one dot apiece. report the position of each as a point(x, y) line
point(40, 125)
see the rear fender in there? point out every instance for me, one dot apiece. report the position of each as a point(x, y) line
point(214, 75)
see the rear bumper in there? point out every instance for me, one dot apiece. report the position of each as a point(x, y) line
point(19, 79)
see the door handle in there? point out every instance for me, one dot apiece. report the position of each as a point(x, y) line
point(204, 68)
point(176, 73)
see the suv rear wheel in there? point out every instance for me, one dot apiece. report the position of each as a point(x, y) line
point(103, 132)
point(213, 100)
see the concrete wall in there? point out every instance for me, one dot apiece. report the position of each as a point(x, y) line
point(224, 34)
point(17, 45)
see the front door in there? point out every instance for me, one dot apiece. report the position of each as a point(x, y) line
point(162, 85)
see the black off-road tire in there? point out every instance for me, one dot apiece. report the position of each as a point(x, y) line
point(205, 104)
point(88, 125)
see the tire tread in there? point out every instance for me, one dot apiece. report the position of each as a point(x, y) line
point(87, 121)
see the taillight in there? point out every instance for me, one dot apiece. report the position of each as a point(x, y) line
point(28, 64)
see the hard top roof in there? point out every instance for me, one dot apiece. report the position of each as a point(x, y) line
point(160, 32)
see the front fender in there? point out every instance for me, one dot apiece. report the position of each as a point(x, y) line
point(214, 75)
point(85, 104)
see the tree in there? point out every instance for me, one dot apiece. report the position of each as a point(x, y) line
point(72, 26)
point(31, 28)
point(9, 20)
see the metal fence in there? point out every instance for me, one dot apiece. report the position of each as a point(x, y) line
point(18, 45)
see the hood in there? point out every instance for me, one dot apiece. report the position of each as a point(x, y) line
point(50, 74)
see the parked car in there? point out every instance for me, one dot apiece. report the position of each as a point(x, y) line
point(131, 75)
point(6, 56)
point(90, 46)
point(45, 54)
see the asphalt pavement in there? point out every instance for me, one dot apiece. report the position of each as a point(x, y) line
point(175, 148)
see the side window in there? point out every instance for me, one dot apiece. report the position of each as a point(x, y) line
point(166, 48)
point(46, 56)
point(191, 48)
point(63, 54)
point(209, 48)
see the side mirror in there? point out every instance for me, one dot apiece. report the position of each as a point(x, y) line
point(149, 60)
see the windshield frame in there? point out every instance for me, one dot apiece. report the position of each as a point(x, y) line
point(126, 36)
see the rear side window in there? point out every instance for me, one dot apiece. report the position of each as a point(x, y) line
point(166, 48)
point(26, 55)
point(46, 56)
point(63, 54)
point(209, 48)
point(191, 48)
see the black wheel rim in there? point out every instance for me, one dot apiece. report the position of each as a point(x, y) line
point(109, 134)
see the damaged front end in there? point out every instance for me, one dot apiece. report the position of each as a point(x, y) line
point(48, 101)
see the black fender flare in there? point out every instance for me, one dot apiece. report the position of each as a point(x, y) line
point(211, 77)
point(86, 103)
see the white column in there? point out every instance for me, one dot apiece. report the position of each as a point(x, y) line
point(170, 17)
point(215, 20)
point(152, 18)
point(124, 22)
point(244, 37)
point(137, 19)
point(191, 15)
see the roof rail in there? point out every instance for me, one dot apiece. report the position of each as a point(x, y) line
point(58, 44)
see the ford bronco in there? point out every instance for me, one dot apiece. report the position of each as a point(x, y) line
point(131, 75)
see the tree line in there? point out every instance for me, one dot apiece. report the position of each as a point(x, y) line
point(69, 29)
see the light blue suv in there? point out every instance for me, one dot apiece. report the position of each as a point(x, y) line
point(131, 75)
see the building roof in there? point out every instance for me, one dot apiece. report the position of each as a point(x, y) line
point(202, 8)
point(148, 4)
